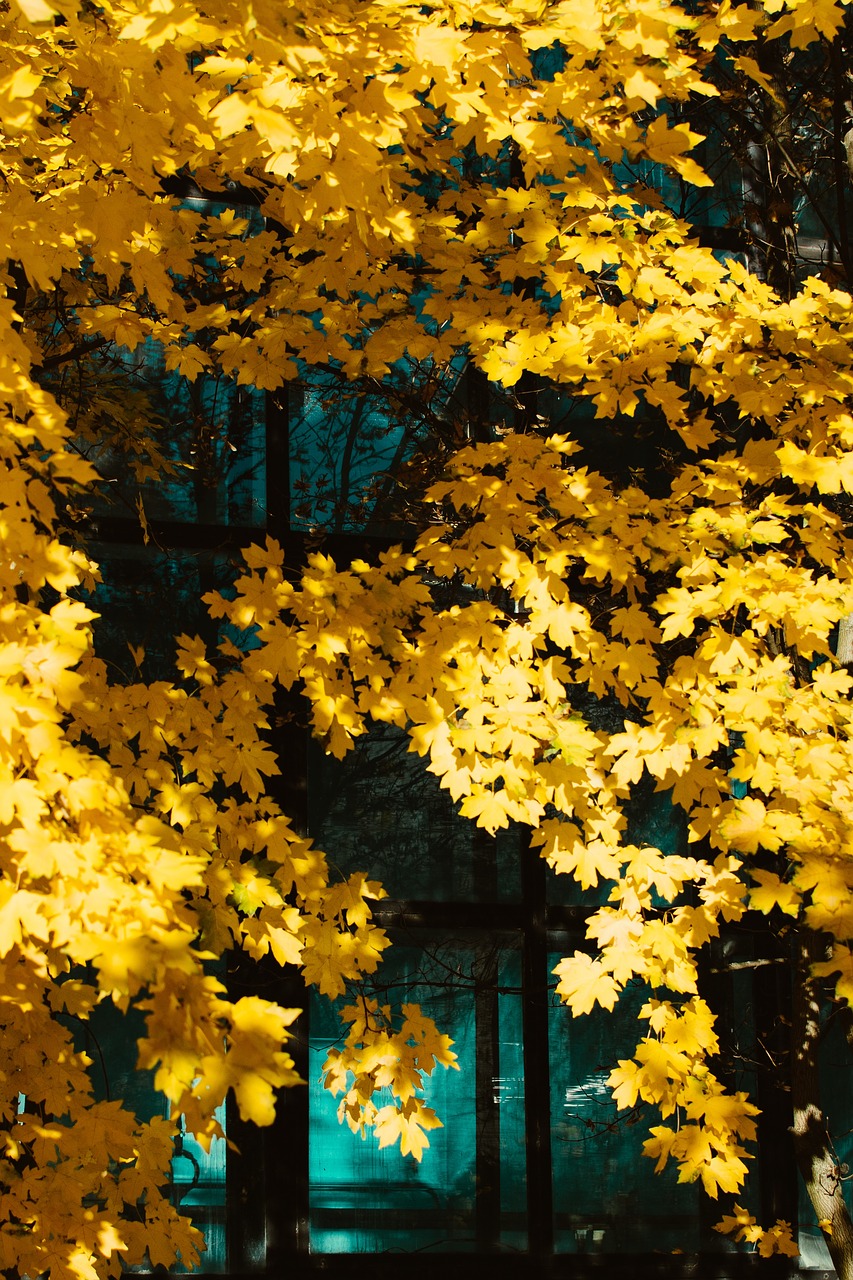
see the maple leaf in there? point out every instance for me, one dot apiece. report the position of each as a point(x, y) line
point(723, 1173)
point(778, 1239)
point(584, 982)
point(489, 808)
point(738, 1223)
point(407, 1126)
point(773, 892)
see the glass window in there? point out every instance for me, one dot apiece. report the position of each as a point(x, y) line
point(607, 1197)
point(349, 442)
point(468, 1191)
point(210, 432)
point(380, 811)
point(201, 459)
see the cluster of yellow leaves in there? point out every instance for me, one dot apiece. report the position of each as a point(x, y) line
point(346, 127)
point(769, 1240)
point(384, 1053)
point(90, 901)
point(135, 838)
point(707, 605)
point(120, 876)
point(136, 845)
point(670, 1071)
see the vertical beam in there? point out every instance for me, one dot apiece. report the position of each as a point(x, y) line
point(277, 465)
point(287, 1204)
point(484, 865)
point(286, 1141)
point(268, 1193)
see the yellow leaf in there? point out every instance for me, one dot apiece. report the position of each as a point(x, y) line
point(773, 892)
point(398, 1124)
point(584, 982)
point(37, 10)
point(735, 1223)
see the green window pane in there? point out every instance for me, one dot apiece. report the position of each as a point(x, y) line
point(349, 442)
point(379, 811)
point(198, 1190)
point(607, 1198)
point(468, 1192)
point(509, 1098)
point(210, 433)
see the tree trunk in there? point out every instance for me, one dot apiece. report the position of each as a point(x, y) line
point(844, 647)
point(816, 1158)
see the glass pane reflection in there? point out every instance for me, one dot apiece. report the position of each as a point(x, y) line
point(468, 1192)
point(607, 1197)
point(380, 811)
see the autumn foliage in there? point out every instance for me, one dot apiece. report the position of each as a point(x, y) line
point(415, 167)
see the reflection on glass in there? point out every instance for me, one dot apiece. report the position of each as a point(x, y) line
point(379, 811)
point(607, 1197)
point(349, 444)
point(210, 433)
point(198, 1190)
point(468, 1192)
point(509, 1101)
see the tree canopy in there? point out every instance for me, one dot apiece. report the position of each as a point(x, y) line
point(502, 183)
